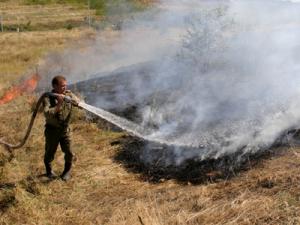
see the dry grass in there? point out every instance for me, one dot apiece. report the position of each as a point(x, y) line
point(21, 52)
point(102, 190)
point(17, 15)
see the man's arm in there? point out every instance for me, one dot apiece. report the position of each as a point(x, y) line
point(74, 99)
point(51, 111)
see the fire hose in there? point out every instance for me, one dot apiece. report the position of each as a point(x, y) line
point(122, 123)
point(129, 126)
point(38, 104)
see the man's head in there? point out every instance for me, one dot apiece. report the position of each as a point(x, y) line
point(59, 84)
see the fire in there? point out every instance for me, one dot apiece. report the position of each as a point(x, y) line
point(28, 86)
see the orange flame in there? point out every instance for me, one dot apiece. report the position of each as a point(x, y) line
point(28, 86)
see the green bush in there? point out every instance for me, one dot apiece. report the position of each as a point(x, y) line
point(69, 26)
point(99, 6)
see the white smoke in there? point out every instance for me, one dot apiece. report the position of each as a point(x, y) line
point(226, 72)
point(239, 81)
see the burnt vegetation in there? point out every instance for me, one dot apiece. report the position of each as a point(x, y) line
point(191, 170)
point(156, 162)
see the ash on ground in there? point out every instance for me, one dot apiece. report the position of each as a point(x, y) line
point(158, 165)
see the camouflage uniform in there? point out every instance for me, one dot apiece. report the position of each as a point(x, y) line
point(57, 131)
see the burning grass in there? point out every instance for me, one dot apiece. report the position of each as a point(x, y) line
point(28, 86)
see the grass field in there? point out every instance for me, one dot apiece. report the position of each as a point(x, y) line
point(103, 189)
point(39, 15)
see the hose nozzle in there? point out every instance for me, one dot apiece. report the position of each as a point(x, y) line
point(71, 100)
point(66, 98)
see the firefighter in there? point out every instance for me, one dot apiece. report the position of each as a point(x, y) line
point(57, 132)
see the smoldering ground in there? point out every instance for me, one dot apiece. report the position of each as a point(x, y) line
point(225, 74)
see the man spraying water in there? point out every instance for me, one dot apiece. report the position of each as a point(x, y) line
point(57, 112)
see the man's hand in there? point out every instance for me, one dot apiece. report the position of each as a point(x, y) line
point(60, 100)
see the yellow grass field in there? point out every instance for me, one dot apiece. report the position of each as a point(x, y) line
point(103, 189)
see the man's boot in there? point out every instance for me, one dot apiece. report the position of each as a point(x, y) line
point(66, 174)
point(49, 173)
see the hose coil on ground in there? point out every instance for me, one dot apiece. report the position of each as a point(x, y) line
point(10, 146)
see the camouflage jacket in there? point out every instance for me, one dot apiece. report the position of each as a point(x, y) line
point(59, 119)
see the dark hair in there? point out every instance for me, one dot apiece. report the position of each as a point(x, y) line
point(57, 79)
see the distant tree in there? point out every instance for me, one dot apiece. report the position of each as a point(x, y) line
point(206, 39)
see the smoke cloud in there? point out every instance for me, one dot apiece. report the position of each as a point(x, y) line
point(226, 72)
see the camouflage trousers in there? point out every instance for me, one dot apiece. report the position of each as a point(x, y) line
point(54, 137)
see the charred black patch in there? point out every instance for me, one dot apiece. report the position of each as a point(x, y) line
point(190, 171)
point(7, 185)
point(266, 183)
point(115, 143)
point(116, 93)
point(30, 185)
